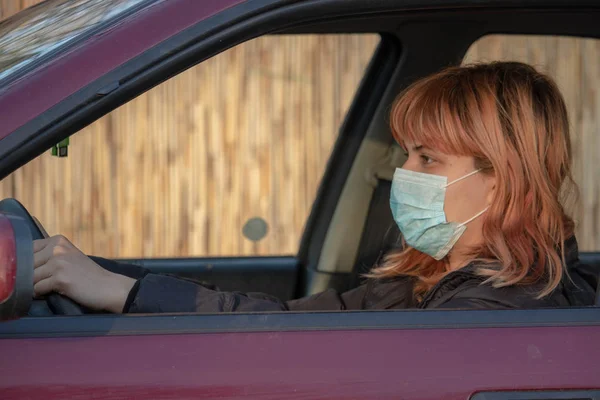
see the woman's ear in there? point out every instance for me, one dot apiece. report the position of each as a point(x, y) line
point(490, 185)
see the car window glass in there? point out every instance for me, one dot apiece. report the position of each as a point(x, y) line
point(39, 30)
point(222, 160)
point(575, 65)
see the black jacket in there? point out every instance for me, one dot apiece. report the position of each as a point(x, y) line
point(464, 289)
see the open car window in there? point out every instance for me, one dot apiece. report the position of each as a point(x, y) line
point(223, 159)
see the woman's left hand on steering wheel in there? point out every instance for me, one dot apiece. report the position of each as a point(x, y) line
point(61, 267)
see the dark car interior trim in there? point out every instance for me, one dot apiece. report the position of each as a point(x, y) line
point(161, 324)
point(276, 276)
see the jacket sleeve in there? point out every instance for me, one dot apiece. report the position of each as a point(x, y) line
point(162, 293)
point(130, 270)
point(155, 293)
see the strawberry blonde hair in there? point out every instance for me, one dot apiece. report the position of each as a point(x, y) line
point(513, 121)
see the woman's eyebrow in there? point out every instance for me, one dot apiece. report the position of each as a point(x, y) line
point(421, 148)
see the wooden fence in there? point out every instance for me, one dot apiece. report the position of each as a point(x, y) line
point(180, 170)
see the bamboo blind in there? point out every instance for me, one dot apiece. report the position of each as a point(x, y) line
point(10, 7)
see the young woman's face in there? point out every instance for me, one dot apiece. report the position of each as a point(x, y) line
point(465, 198)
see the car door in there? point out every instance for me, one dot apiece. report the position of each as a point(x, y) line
point(450, 354)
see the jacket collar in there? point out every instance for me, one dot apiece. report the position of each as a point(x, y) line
point(571, 252)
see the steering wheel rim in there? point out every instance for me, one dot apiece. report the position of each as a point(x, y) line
point(57, 303)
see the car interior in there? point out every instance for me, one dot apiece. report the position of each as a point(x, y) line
point(371, 230)
point(350, 226)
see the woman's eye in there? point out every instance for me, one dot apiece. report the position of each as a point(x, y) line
point(426, 159)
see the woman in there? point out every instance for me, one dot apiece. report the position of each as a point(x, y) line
point(478, 203)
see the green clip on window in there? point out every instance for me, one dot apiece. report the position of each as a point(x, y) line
point(61, 149)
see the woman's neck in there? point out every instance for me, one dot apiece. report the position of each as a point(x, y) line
point(462, 252)
point(457, 260)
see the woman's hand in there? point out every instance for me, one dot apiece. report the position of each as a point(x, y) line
point(61, 267)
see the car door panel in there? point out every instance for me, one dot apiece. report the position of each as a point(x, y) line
point(284, 360)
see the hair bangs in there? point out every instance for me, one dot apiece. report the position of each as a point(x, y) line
point(431, 113)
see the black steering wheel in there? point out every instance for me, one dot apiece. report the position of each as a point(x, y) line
point(56, 303)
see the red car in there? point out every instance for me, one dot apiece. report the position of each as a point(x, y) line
point(414, 355)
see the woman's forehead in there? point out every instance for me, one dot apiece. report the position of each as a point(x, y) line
point(414, 145)
point(433, 139)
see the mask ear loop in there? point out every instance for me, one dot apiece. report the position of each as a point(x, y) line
point(464, 177)
point(460, 179)
point(479, 214)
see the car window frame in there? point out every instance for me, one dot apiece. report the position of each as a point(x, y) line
point(194, 323)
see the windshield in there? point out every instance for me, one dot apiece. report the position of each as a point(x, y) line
point(37, 31)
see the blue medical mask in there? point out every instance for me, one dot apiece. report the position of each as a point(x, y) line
point(417, 202)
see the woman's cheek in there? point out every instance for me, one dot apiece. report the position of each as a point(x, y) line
point(461, 204)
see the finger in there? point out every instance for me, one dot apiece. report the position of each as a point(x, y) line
point(43, 256)
point(61, 244)
point(60, 240)
point(43, 287)
point(44, 271)
point(39, 244)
